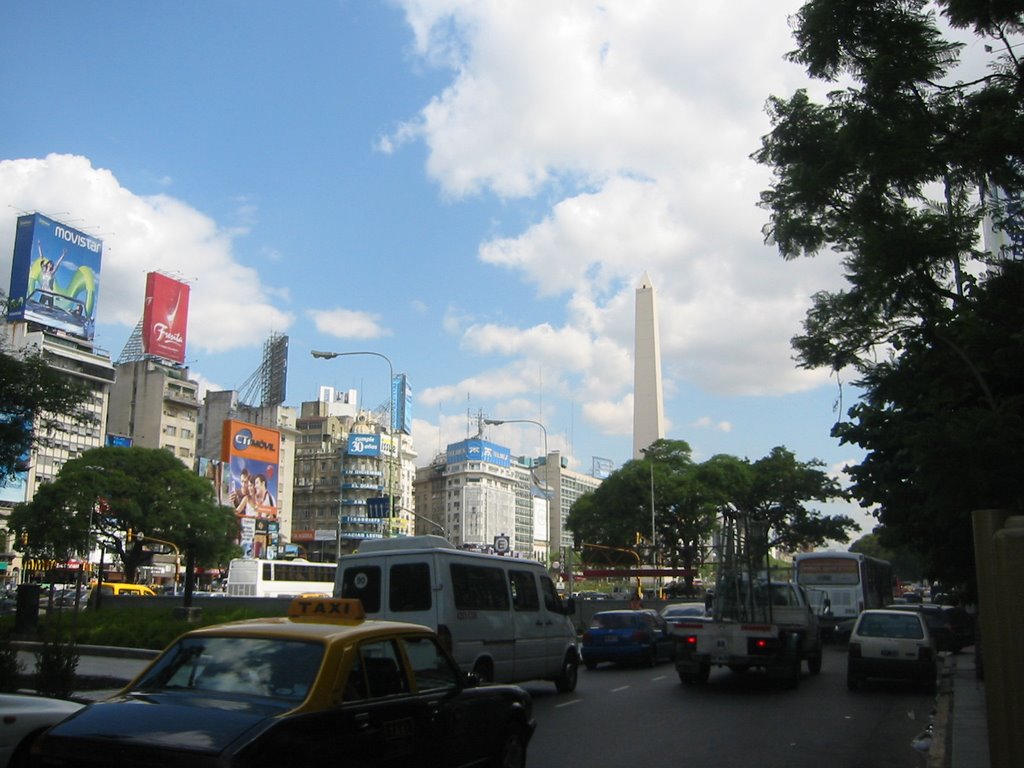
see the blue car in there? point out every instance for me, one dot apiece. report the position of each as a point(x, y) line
point(627, 637)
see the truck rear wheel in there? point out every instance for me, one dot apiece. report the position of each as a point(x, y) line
point(814, 663)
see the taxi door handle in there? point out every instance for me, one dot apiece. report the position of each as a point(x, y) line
point(362, 721)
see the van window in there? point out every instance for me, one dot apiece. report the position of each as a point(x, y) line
point(409, 587)
point(524, 591)
point(551, 600)
point(363, 582)
point(479, 588)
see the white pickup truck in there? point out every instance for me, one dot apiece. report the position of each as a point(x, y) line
point(767, 625)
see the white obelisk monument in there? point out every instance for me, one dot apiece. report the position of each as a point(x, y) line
point(648, 410)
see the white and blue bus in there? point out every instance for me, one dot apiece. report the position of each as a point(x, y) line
point(848, 582)
point(252, 577)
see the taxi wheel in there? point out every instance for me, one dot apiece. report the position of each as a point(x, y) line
point(513, 749)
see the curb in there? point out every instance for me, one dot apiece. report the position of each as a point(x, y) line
point(92, 650)
point(942, 733)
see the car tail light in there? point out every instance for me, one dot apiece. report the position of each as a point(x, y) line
point(587, 638)
point(444, 636)
point(854, 650)
point(641, 636)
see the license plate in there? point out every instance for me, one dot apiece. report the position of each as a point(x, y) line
point(889, 654)
point(611, 638)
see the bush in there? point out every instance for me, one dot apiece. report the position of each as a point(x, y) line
point(10, 666)
point(56, 663)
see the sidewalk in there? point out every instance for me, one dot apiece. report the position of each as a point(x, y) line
point(969, 726)
point(959, 729)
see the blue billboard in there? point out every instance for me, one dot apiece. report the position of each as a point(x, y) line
point(401, 396)
point(55, 276)
point(479, 450)
point(363, 445)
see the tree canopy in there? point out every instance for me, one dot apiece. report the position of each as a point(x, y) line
point(898, 172)
point(32, 395)
point(689, 497)
point(108, 496)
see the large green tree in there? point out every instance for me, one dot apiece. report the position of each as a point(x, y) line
point(108, 496)
point(777, 490)
point(33, 396)
point(897, 172)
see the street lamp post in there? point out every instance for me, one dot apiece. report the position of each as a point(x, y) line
point(321, 355)
point(177, 555)
point(499, 422)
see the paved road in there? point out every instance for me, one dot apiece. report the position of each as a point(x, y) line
point(621, 716)
point(646, 717)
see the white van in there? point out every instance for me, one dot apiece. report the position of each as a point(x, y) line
point(500, 617)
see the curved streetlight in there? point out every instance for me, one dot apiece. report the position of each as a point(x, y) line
point(145, 537)
point(499, 422)
point(321, 355)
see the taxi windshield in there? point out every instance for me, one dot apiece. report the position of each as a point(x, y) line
point(278, 669)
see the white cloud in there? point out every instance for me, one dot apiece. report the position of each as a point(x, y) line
point(706, 422)
point(141, 234)
point(348, 323)
point(637, 119)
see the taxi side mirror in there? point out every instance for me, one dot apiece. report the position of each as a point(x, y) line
point(471, 680)
point(569, 606)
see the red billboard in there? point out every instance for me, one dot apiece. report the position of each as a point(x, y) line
point(165, 317)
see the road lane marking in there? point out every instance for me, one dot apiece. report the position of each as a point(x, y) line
point(620, 688)
point(567, 703)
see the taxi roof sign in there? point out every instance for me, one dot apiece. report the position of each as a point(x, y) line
point(327, 609)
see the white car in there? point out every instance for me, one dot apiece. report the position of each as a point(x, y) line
point(22, 718)
point(891, 644)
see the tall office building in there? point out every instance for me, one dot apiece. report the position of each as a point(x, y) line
point(648, 410)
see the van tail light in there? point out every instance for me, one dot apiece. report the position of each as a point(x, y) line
point(854, 650)
point(924, 653)
point(444, 635)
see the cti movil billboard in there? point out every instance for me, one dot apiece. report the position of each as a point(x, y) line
point(165, 317)
point(55, 276)
point(251, 455)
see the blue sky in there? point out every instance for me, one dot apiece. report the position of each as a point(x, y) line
point(473, 189)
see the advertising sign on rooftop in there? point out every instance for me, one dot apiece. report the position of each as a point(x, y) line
point(165, 317)
point(363, 445)
point(478, 450)
point(252, 454)
point(55, 276)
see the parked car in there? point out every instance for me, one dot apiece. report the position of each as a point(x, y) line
point(626, 637)
point(22, 719)
point(891, 644)
point(323, 681)
point(952, 627)
point(688, 610)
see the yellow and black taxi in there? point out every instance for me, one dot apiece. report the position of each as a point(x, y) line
point(322, 686)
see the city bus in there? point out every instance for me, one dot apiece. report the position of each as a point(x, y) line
point(253, 577)
point(848, 583)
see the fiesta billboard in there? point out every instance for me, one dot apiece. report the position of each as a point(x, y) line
point(55, 276)
point(252, 454)
point(165, 317)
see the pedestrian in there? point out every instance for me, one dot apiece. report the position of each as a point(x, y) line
point(636, 602)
